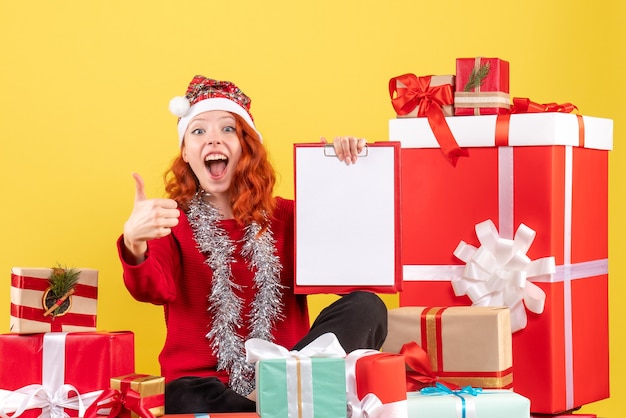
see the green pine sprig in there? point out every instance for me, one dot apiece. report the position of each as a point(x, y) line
point(62, 280)
point(477, 76)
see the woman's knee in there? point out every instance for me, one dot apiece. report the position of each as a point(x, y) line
point(368, 304)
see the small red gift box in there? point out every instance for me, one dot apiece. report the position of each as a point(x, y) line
point(31, 308)
point(62, 366)
point(375, 384)
point(551, 176)
point(482, 86)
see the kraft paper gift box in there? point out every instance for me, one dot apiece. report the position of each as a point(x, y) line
point(411, 94)
point(376, 384)
point(550, 176)
point(414, 96)
point(61, 369)
point(490, 95)
point(30, 305)
point(310, 383)
point(466, 345)
point(441, 402)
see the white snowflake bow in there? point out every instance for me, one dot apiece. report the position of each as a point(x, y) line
point(498, 273)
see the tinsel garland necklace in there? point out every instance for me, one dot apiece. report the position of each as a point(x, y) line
point(225, 306)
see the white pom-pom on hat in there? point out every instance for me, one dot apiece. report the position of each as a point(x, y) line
point(179, 106)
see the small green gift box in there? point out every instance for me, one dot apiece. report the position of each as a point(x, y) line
point(307, 384)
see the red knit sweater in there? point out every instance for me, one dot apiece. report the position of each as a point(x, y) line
point(175, 275)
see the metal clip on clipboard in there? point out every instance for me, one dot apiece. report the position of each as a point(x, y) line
point(329, 151)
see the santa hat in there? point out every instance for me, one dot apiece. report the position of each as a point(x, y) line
point(205, 94)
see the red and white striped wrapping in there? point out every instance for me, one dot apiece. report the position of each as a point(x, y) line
point(28, 286)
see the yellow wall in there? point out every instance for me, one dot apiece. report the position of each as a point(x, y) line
point(84, 87)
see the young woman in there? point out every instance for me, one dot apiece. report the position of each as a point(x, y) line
point(218, 255)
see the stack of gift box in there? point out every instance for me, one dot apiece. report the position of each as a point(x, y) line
point(504, 301)
point(54, 362)
point(504, 204)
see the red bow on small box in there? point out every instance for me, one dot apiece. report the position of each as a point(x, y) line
point(525, 105)
point(419, 373)
point(126, 399)
point(419, 92)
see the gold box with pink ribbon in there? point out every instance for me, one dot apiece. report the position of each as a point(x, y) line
point(36, 308)
point(522, 222)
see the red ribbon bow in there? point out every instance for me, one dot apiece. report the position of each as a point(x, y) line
point(525, 105)
point(419, 93)
point(118, 401)
point(420, 373)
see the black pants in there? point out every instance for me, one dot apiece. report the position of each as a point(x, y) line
point(358, 319)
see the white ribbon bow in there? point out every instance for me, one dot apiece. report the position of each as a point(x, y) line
point(51, 404)
point(368, 407)
point(326, 345)
point(498, 273)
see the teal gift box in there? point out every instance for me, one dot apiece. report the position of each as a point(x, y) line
point(310, 383)
point(299, 387)
point(496, 403)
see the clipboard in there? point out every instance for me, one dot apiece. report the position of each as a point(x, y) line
point(347, 220)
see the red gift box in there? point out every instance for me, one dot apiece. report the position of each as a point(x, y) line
point(59, 365)
point(29, 313)
point(375, 384)
point(559, 190)
point(475, 95)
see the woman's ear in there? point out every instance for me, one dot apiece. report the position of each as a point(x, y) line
point(183, 153)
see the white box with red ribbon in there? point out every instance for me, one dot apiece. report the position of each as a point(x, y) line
point(522, 222)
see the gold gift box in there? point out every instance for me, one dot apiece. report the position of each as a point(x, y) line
point(150, 388)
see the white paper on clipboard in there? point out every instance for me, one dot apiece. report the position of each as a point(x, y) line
point(346, 217)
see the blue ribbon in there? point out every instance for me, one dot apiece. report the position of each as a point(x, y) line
point(440, 390)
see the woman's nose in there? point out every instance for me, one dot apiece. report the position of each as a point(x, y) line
point(213, 140)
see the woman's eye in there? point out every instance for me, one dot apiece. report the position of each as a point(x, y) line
point(198, 131)
point(229, 129)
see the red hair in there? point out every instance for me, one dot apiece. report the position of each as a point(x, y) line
point(253, 183)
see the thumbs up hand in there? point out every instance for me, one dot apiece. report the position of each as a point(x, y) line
point(150, 219)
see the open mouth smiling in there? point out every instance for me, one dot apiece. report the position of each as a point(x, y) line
point(216, 164)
